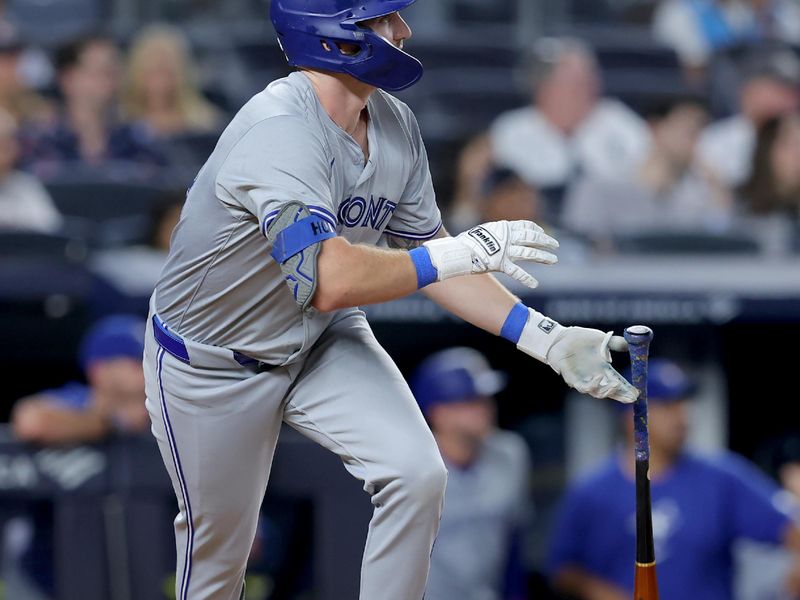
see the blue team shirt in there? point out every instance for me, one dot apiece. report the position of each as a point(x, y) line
point(72, 395)
point(699, 508)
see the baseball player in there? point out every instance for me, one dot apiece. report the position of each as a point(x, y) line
point(318, 199)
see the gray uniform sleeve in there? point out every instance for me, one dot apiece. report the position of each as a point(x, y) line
point(417, 216)
point(279, 160)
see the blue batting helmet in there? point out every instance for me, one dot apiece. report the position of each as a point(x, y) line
point(454, 375)
point(117, 336)
point(666, 382)
point(310, 31)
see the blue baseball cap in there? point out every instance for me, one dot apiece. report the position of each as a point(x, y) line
point(118, 336)
point(454, 375)
point(666, 381)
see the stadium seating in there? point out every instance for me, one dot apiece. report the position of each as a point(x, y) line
point(53, 22)
point(659, 242)
point(108, 212)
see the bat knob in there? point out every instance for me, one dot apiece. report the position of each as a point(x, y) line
point(638, 334)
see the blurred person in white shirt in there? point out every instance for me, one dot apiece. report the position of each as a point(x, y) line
point(24, 201)
point(569, 128)
point(669, 191)
point(770, 88)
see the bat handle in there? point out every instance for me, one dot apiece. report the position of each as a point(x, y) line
point(639, 338)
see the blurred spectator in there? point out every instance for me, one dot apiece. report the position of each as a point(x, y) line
point(111, 358)
point(161, 88)
point(474, 165)
point(477, 552)
point(502, 194)
point(569, 129)
point(132, 271)
point(24, 202)
point(15, 96)
point(89, 130)
point(769, 89)
point(701, 506)
point(774, 183)
point(764, 571)
point(507, 196)
point(668, 192)
point(698, 28)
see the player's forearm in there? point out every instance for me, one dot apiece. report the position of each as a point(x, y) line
point(478, 299)
point(40, 422)
point(355, 275)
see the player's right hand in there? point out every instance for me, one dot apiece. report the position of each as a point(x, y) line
point(583, 358)
point(496, 247)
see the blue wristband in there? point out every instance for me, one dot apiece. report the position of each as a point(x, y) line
point(515, 323)
point(426, 272)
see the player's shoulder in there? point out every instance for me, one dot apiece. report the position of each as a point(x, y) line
point(285, 106)
point(724, 462)
point(387, 101)
point(512, 120)
point(509, 448)
point(727, 130)
point(392, 111)
point(615, 117)
point(723, 467)
point(281, 118)
point(611, 108)
point(508, 443)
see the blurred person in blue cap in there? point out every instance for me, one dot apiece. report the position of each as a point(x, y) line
point(111, 400)
point(702, 505)
point(477, 552)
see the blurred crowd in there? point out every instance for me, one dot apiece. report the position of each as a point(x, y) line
point(712, 157)
point(594, 168)
point(100, 135)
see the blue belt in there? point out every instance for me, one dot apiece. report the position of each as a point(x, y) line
point(172, 343)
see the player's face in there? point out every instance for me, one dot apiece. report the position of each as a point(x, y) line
point(472, 419)
point(121, 377)
point(119, 387)
point(678, 132)
point(391, 27)
point(669, 426)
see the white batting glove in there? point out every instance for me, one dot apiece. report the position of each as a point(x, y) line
point(581, 356)
point(495, 246)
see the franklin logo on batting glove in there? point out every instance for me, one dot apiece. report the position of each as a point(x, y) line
point(487, 240)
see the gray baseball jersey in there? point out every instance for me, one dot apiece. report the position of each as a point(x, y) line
point(216, 418)
point(486, 505)
point(219, 285)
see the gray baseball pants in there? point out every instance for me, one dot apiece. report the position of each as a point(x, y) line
point(217, 424)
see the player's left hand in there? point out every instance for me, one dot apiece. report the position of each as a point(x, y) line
point(493, 247)
point(583, 358)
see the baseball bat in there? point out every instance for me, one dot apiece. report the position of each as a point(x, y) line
point(645, 581)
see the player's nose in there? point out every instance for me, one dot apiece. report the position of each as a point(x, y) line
point(402, 31)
